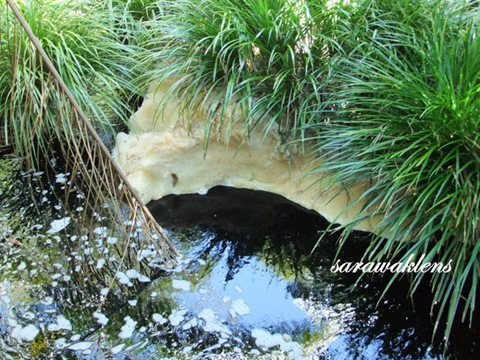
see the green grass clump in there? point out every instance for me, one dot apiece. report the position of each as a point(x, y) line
point(383, 92)
point(89, 55)
point(407, 120)
point(260, 57)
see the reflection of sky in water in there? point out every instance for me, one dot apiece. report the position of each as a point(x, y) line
point(317, 310)
point(341, 348)
point(270, 305)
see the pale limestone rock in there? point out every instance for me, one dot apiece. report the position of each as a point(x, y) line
point(164, 154)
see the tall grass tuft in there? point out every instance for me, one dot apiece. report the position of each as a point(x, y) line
point(57, 59)
point(253, 57)
point(88, 54)
point(406, 120)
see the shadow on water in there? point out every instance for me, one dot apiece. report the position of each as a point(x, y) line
point(343, 317)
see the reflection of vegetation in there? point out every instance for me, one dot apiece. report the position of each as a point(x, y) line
point(286, 250)
point(283, 241)
point(75, 270)
point(392, 323)
point(6, 169)
point(39, 347)
point(387, 90)
point(405, 105)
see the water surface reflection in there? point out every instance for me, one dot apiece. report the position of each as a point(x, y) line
point(248, 285)
point(263, 243)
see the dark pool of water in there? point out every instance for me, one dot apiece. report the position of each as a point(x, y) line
point(263, 244)
point(248, 285)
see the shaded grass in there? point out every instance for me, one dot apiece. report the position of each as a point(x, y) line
point(66, 60)
point(385, 93)
point(87, 52)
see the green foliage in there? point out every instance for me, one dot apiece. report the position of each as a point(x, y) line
point(47, 129)
point(137, 9)
point(406, 119)
point(384, 92)
point(86, 51)
point(256, 56)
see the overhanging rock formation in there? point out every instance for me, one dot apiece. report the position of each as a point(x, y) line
point(164, 154)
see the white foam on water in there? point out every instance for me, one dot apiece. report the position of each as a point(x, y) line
point(115, 350)
point(27, 333)
point(62, 324)
point(266, 340)
point(181, 285)
point(211, 322)
point(143, 278)
point(123, 278)
point(112, 240)
point(58, 225)
point(127, 330)
point(176, 317)
point(159, 319)
point(104, 292)
point(240, 307)
point(101, 318)
point(81, 346)
point(132, 274)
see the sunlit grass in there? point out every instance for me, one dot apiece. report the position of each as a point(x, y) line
point(263, 59)
point(386, 93)
point(53, 129)
point(87, 52)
